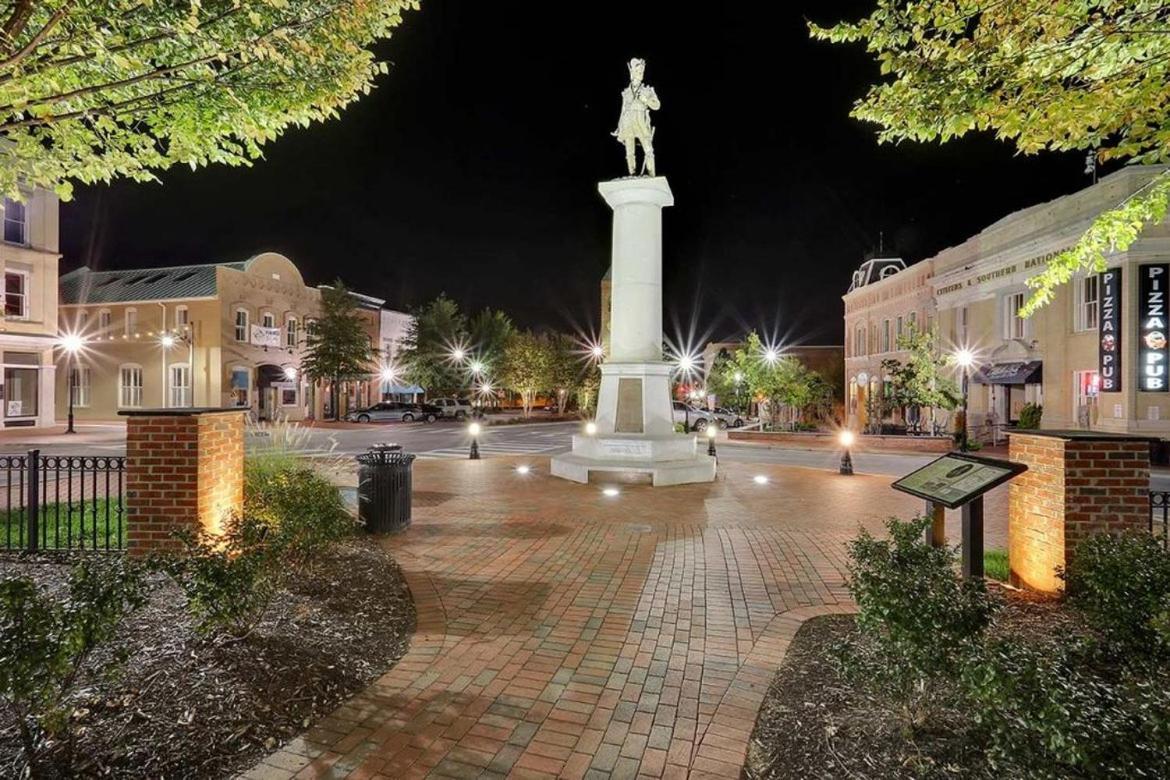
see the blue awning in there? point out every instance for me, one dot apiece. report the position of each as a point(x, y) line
point(403, 389)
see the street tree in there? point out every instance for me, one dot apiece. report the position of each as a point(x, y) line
point(104, 89)
point(780, 382)
point(925, 380)
point(1044, 75)
point(566, 367)
point(488, 332)
point(425, 357)
point(527, 367)
point(337, 347)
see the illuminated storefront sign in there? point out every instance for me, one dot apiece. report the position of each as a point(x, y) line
point(1152, 318)
point(1109, 332)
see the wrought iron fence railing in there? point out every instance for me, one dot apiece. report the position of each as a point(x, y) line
point(62, 502)
point(1160, 515)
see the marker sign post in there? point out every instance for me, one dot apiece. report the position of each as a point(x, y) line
point(958, 481)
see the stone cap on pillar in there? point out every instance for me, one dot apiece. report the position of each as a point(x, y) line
point(1075, 435)
point(183, 412)
point(637, 189)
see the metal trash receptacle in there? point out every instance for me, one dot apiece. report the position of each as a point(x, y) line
point(384, 485)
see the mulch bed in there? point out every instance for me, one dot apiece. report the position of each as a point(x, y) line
point(814, 723)
point(183, 706)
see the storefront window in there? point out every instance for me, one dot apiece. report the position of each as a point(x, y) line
point(239, 385)
point(1013, 323)
point(20, 391)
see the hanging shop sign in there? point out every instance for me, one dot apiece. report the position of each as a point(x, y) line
point(265, 337)
point(1109, 332)
point(1153, 353)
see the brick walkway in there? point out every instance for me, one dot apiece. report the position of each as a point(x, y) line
point(565, 633)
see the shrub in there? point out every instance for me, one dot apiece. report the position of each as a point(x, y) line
point(303, 510)
point(916, 617)
point(45, 639)
point(1030, 415)
point(1045, 713)
point(1122, 585)
point(229, 578)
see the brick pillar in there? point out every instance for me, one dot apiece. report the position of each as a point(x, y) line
point(1078, 483)
point(184, 469)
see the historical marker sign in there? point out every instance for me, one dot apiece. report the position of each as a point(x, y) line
point(956, 479)
point(1109, 332)
point(1153, 352)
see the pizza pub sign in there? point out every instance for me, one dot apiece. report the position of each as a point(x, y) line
point(1153, 319)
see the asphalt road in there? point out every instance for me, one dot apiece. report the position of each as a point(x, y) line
point(451, 440)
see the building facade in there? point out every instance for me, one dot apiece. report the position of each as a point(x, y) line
point(886, 300)
point(28, 331)
point(216, 335)
point(1094, 358)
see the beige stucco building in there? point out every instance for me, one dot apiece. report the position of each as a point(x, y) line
point(223, 334)
point(28, 331)
point(1055, 357)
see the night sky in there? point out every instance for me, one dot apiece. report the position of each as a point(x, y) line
point(473, 170)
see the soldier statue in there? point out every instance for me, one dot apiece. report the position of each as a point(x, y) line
point(638, 100)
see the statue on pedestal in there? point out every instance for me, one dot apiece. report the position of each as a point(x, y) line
point(638, 100)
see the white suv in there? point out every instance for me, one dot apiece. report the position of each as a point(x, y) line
point(454, 408)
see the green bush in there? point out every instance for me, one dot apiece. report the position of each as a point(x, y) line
point(46, 638)
point(229, 578)
point(1045, 713)
point(1030, 415)
point(303, 510)
point(917, 616)
point(1122, 586)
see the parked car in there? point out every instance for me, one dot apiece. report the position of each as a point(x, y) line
point(728, 418)
point(698, 419)
point(453, 408)
point(394, 411)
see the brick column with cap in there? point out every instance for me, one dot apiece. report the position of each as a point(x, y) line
point(184, 469)
point(1078, 483)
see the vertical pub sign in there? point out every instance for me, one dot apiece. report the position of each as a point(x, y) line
point(1109, 332)
point(1153, 354)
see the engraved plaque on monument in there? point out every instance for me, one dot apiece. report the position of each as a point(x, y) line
point(629, 406)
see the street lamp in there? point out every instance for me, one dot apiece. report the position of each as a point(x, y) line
point(965, 358)
point(476, 367)
point(72, 344)
point(846, 438)
point(474, 429)
point(771, 355)
point(457, 354)
point(290, 373)
point(597, 352)
point(711, 431)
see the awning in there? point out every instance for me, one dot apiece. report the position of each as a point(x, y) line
point(403, 390)
point(1019, 373)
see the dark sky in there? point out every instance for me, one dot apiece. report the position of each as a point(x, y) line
point(473, 167)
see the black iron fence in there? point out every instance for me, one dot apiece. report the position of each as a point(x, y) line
point(1160, 515)
point(62, 502)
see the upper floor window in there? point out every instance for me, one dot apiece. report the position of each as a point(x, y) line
point(241, 324)
point(15, 222)
point(913, 320)
point(898, 331)
point(290, 332)
point(130, 386)
point(104, 320)
point(131, 322)
point(181, 317)
point(268, 319)
point(1013, 323)
point(16, 294)
point(885, 335)
point(1088, 302)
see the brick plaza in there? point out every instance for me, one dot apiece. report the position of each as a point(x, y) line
point(566, 633)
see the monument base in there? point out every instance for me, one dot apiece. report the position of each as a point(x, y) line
point(671, 459)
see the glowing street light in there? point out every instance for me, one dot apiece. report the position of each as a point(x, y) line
point(477, 367)
point(167, 341)
point(712, 429)
point(771, 355)
point(458, 354)
point(611, 492)
point(290, 373)
point(964, 358)
point(597, 351)
point(846, 438)
point(474, 429)
point(523, 470)
point(590, 429)
point(72, 343)
point(760, 479)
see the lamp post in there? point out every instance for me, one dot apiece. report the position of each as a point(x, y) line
point(711, 431)
point(846, 438)
point(72, 344)
point(473, 453)
point(965, 358)
point(388, 375)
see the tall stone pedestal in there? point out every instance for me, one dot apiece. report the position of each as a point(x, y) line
point(635, 428)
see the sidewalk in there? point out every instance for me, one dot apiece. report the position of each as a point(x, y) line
point(566, 633)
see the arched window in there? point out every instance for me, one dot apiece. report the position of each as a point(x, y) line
point(130, 386)
point(242, 325)
point(290, 333)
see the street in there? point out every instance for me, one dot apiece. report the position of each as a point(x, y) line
point(451, 440)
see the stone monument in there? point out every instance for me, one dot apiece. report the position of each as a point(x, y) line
point(635, 427)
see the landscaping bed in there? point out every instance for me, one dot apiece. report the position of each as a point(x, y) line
point(815, 722)
point(186, 706)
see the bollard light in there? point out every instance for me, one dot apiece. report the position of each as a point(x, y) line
point(523, 470)
point(760, 479)
point(611, 492)
point(846, 438)
point(474, 429)
point(590, 428)
point(712, 429)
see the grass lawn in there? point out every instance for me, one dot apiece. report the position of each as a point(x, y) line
point(995, 565)
point(62, 529)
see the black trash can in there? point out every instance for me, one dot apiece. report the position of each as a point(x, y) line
point(384, 488)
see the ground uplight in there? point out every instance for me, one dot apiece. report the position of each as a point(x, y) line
point(760, 479)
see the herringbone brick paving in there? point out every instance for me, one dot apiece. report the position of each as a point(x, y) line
point(564, 633)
